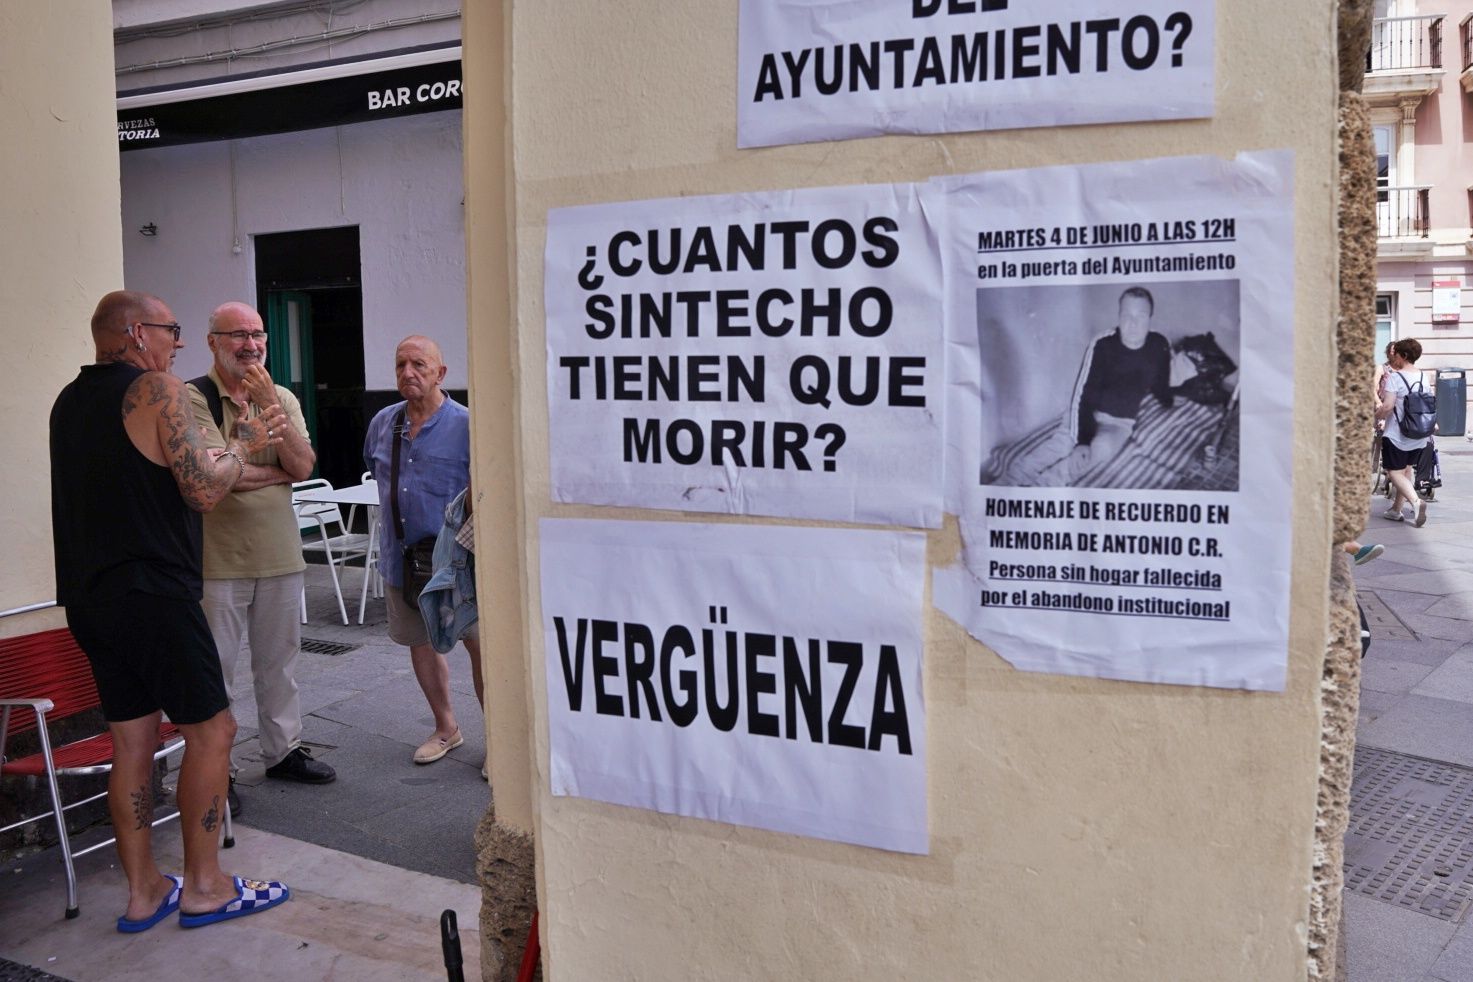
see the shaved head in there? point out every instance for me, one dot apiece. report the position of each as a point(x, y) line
point(123, 307)
point(118, 330)
point(419, 368)
point(426, 345)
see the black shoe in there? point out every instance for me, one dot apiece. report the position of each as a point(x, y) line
point(299, 766)
point(232, 800)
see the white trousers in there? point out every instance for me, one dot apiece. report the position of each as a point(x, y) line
point(265, 611)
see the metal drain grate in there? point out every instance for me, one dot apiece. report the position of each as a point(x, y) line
point(319, 647)
point(1385, 625)
point(1410, 841)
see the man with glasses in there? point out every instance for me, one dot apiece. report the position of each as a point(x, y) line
point(253, 549)
point(130, 475)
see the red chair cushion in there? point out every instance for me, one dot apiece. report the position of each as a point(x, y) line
point(83, 753)
point(46, 665)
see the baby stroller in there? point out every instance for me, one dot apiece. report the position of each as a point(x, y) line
point(1428, 472)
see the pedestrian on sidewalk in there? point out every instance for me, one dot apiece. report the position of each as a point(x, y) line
point(130, 476)
point(418, 451)
point(1399, 450)
point(253, 549)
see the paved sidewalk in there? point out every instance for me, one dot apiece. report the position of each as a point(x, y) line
point(1416, 719)
point(372, 858)
point(363, 713)
point(348, 918)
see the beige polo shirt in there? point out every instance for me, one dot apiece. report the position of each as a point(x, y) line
point(251, 533)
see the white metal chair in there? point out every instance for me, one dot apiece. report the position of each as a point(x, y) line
point(336, 547)
point(371, 561)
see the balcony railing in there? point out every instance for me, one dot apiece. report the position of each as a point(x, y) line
point(1405, 43)
point(1402, 213)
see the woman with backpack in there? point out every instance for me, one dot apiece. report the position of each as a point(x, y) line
point(1409, 411)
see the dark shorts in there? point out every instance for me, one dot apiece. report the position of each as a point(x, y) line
point(150, 653)
point(1393, 458)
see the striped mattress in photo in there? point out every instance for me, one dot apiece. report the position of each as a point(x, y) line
point(1164, 452)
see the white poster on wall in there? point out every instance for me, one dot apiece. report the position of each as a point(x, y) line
point(756, 675)
point(824, 70)
point(1447, 301)
point(1120, 416)
point(762, 354)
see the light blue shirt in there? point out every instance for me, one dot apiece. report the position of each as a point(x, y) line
point(433, 468)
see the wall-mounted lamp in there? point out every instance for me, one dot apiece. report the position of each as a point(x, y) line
point(149, 229)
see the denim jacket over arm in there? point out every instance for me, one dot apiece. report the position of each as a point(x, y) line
point(448, 601)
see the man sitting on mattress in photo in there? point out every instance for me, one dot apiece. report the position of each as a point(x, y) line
point(1118, 370)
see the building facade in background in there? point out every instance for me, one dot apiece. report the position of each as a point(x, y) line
point(1419, 85)
point(304, 157)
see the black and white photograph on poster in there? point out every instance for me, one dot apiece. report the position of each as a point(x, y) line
point(753, 674)
point(811, 70)
point(1153, 401)
point(1120, 416)
point(775, 353)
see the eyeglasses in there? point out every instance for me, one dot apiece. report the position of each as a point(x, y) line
point(241, 337)
point(175, 327)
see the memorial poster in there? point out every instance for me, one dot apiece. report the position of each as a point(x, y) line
point(1120, 416)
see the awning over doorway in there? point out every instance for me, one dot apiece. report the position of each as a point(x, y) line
point(329, 93)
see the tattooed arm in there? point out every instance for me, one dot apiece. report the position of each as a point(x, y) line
point(157, 417)
point(253, 476)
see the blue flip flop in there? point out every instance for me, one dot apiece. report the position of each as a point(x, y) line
point(251, 897)
point(166, 907)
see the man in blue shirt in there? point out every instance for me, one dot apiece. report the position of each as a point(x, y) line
point(433, 434)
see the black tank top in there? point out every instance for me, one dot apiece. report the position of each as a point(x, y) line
point(119, 523)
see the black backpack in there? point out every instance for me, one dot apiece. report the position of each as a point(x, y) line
point(1418, 413)
point(211, 392)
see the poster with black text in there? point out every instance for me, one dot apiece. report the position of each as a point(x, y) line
point(750, 674)
point(827, 70)
point(1120, 416)
point(771, 353)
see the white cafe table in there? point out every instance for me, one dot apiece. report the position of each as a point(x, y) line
point(357, 494)
point(365, 494)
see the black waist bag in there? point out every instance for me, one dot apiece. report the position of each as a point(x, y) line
point(419, 566)
point(419, 557)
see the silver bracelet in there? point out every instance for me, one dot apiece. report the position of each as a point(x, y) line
point(238, 459)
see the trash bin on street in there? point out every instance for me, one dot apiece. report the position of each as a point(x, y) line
point(1452, 401)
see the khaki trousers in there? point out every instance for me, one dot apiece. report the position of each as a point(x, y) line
point(265, 612)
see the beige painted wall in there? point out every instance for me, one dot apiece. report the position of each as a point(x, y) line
point(491, 352)
point(61, 251)
point(1079, 828)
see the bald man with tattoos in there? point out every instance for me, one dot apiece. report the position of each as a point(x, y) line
point(130, 477)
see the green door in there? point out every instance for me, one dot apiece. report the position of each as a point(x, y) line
point(289, 349)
